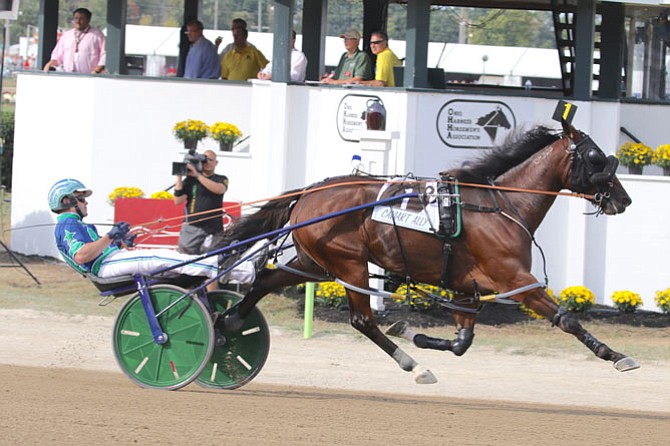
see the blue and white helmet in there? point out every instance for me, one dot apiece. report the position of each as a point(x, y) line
point(65, 188)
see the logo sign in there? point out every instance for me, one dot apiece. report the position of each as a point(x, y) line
point(467, 124)
point(351, 116)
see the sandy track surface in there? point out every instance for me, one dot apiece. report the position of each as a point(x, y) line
point(60, 384)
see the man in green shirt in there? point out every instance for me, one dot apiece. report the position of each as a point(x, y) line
point(354, 64)
point(386, 60)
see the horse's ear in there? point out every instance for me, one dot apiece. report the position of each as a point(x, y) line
point(568, 129)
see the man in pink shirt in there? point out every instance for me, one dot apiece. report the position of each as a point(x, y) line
point(81, 49)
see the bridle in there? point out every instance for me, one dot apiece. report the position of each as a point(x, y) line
point(591, 168)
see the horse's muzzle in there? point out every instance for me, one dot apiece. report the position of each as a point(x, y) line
point(615, 201)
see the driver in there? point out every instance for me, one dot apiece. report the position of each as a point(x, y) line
point(86, 251)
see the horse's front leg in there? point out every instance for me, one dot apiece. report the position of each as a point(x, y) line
point(465, 324)
point(362, 319)
point(540, 302)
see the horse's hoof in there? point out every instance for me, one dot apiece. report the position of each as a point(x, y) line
point(626, 364)
point(423, 376)
point(397, 329)
point(230, 322)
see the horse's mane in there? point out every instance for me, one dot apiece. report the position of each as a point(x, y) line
point(518, 148)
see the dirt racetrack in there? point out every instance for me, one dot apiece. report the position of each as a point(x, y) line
point(59, 384)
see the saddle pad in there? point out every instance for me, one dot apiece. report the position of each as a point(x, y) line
point(409, 213)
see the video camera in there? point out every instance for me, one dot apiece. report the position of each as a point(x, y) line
point(196, 159)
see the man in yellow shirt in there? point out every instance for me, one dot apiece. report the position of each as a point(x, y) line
point(386, 60)
point(243, 61)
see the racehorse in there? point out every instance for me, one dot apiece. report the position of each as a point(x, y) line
point(508, 192)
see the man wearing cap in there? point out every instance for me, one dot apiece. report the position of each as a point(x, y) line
point(354, 64)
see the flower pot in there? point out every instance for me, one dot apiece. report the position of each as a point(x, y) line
point(190, 144)
point(226, 146)
point(666, 171)
point(635, 169)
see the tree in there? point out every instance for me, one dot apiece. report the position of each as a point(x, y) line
point(513, 28)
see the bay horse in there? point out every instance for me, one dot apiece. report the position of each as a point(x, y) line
point(491, 255)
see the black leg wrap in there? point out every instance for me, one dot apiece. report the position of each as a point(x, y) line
point(463, 341)
point(423, 341)
point(591, 342)
point(557, 317)
point(458, 346)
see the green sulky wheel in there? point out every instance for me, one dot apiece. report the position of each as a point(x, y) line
point(170, 366)
point(240, 355)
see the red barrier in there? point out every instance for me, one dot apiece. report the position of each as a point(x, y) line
point(159, 221)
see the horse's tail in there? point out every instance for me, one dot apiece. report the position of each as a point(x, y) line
point(272, 215)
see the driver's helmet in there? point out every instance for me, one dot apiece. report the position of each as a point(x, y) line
point(65, 188)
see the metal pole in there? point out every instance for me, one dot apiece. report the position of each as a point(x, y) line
point(2, 73)
point(309, 310)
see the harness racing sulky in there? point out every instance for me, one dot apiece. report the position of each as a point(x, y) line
point(478, 246)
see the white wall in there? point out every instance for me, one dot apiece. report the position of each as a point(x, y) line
point(111, 132)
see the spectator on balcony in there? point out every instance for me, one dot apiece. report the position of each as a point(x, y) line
point(81, 49)
point(236, 23)
point(298, 65)
point(386, 60)
point(243, 61)
point(354, 64)
point(202, 62)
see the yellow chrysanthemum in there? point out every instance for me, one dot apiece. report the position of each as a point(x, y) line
point(626, 301)
point(162, 195)
point(577, 298)
point(330, 293)
point(417, 296)
point(661, 156)
point(663, 300)
point(191, 129)
point(634, 154)
point(224, 132)
point(124, 192)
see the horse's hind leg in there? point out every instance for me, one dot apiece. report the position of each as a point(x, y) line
point(266, 281)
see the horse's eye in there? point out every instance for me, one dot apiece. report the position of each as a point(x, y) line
point(596, 157)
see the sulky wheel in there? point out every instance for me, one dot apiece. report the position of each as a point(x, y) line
point(180, 360)
point(238, 355)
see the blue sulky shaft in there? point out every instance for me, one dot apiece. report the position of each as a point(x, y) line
point(290, 228)
point(322, 218)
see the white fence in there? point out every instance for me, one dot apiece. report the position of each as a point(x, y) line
point(110, 132)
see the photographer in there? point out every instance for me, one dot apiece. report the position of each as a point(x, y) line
point(203, 193)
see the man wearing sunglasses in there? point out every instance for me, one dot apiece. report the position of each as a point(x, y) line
point(386, 60)
point(82, 247)
point(202, 229)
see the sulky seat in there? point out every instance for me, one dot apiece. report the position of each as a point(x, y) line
point(124, 285)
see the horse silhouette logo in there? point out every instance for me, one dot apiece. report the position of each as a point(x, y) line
point(474, 124)
point(493, 121)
